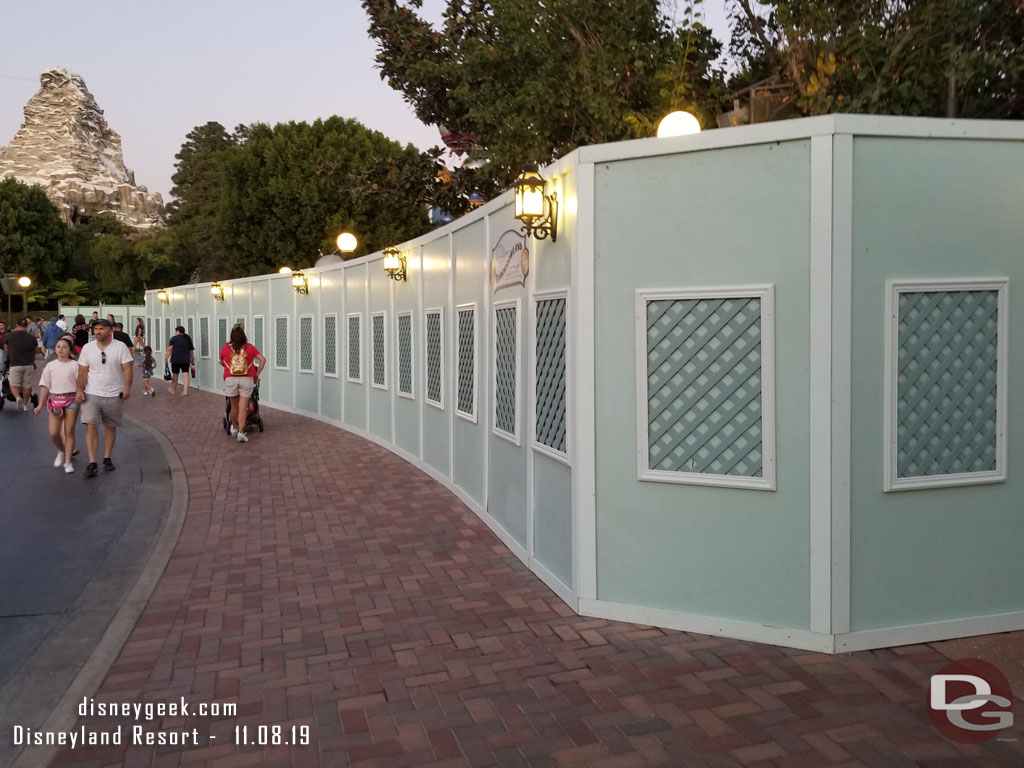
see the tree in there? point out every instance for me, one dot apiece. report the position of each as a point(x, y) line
point(913, 57)
point(289, 190)
point(33, 239)
point(197, 195)
point(72, 292)
point(532, 81)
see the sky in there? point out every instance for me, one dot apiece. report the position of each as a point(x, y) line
point(159, 69)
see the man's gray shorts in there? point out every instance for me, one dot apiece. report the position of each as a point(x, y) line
point(105, 410)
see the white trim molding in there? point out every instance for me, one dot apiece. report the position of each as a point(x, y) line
point(547, 450)
point(471, 307)
point(358, 316)
point(384, 352)
point(765, 294)
point(515, 304)
point(287, 345)
point(891, 479)
point(411, 394)
point(439, 311)
point(312, 344)
point(323, 318)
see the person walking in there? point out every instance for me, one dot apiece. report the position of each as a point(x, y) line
point(62, 323)
point(57, 387)
point(148, 364)
point(140, 335)
point(80, 331)
point(238, 358)
point(50, 336)
point(182, 355)
point(20, 347)
point(104, 383)
point(123, 337)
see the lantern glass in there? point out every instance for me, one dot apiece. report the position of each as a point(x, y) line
point(298, 280)
point(391, 261)
point(529, 200)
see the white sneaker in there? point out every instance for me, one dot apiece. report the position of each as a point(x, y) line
point(59, 460)
point(242, 438)
point(145, 393)
point(68, 468)
point(17, 405)
point(233, 430)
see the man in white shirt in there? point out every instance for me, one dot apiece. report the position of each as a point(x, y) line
point(104, 383)
point(62, 324)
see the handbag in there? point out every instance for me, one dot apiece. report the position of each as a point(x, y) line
point(57, 403)
point(167, 372)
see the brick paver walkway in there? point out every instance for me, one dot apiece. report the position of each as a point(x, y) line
point(322, 581)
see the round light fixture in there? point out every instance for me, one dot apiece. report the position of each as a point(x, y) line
point(678, 124)
point(285, 271)
point(346, 242)
point(24, 282)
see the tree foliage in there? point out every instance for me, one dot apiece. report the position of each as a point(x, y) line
point(34, 241)
point(960, 58)
point(531, 81)
point(195, 206)
point(291, 188)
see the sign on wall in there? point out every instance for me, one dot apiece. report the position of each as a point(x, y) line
point(510, 261)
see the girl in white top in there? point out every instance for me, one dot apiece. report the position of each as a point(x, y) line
point(57, 394)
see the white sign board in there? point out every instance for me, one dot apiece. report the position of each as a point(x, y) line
point(510, 261)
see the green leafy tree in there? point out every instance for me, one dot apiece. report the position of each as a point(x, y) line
point(197, 195)
point(112, 263)
point(34, 241)
point(532, 81)
point(913, 57)
point(289, 190)
point(72, 292)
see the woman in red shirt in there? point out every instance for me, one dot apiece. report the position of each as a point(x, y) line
point(239, 360)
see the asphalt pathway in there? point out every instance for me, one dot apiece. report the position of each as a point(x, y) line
point(70, 552)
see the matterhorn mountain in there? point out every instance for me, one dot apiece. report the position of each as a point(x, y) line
point(66, 147)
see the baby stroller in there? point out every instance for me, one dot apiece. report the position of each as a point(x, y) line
point(5, 389)
point(252, 417)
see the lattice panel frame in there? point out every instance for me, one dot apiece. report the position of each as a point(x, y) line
point(404, 331)
point(281, 342)
point(465, 342)
point(331, 345)
point(355, 362)
point(240, 321)
point(378, 332)
point(222, 332)
point(178, 322)
point(433, 331)
point(167, 332)
point(257, 333)
point(151, 338)
point(306, 344)
point(946, 383)
point(204, 337)
point(507, 352)
point(706, 386)
point(550, 385)
point(190, 327)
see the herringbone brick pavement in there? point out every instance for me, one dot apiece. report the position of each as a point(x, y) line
point(322, 581)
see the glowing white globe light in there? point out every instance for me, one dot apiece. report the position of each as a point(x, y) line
point(678, 124)
point(346, 242)
point(285, 270)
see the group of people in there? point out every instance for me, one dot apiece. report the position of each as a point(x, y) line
point(94, 378)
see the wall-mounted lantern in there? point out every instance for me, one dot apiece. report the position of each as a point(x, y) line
point(537, 211)
point(346, 243)
point(217, 291)
point(394, 263)
point(163, 297)
point(300, 282)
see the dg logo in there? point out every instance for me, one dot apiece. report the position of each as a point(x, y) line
point(970, 701)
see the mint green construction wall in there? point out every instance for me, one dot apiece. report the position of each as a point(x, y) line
point(407, 410)
point(380, 399)
point(332, 283)
point(729, 217)
point(436, 421)
point(354, 398)
point(922, 209)
point(469, 250)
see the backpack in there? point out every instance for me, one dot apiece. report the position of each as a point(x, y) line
point(238, 363)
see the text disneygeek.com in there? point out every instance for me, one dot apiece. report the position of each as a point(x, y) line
point(82, 736)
